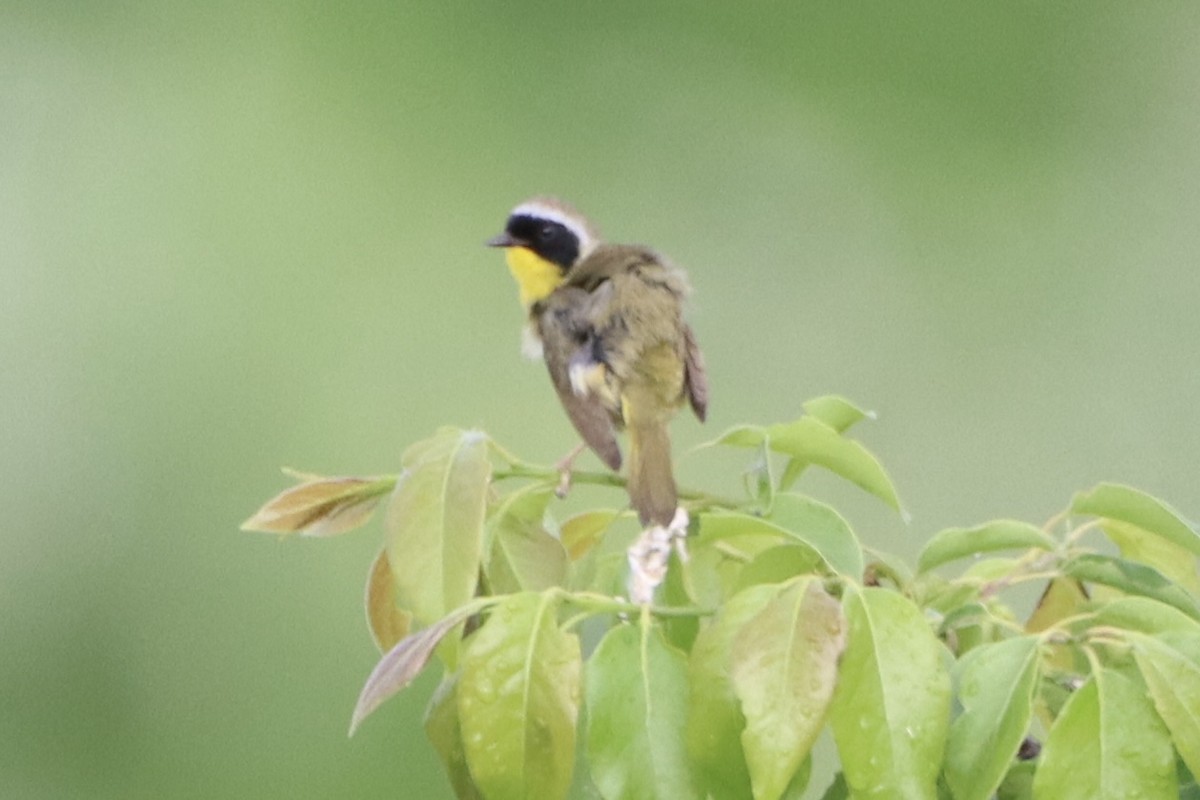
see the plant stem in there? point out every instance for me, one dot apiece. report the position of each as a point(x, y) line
point(522, 469)
point(594, 603)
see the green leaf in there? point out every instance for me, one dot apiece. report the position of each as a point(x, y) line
point(779, 564)
point(837, 790)
point(1188, 789)
point(989, 569)
point(823, 528)
point(1126, 504)
point(792, 471)
point(813, 441)
point(444, 732)
point(1002, 534)
point(935, 593)
point(1107, 743)
point(518, 700)
point(836, 412)
point(584, 531)
point(1018, 783)
point(783, 671)
point(968, 614)
point(716, 721)
point(637, 705)
point(1174, 683)
point(425, 449)
point(892, 706)
point(738, 436)
point(1143, 615)
point(678, 590)
point(1135, 544)
point(798, 786)
point(995, 684)
point(1186, 644)
point(886, 568)
point(435, 523)
point(522, 555)
point(725, 525)
point(759, 478)
point(1131, 578)
point(401, 665)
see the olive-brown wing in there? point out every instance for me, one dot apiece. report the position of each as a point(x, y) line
point(565, 334)
point(695, 377)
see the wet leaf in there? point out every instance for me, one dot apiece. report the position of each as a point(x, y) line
point(783, 671)
point(637, 701)
point(996, 685)
point(1174, 682)
point(716, 721)
point(518, 700)
point(1107, 743)
point(892, 706)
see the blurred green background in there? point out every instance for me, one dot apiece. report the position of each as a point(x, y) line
point(234, 237)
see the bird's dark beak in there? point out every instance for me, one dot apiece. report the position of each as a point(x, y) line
point(506, 239)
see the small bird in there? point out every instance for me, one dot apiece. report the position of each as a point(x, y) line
point(608, 321)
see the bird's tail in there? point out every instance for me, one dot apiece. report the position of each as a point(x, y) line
point(651, 483)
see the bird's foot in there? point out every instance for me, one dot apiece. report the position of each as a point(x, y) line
point(564, 466)
point(649, 555)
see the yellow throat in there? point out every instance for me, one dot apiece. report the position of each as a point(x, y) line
point(535, 276)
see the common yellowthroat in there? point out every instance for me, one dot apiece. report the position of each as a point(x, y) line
point(608, 320)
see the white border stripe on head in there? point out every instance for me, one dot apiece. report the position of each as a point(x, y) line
point(551, 214)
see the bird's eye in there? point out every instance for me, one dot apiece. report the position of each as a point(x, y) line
point(548, 231)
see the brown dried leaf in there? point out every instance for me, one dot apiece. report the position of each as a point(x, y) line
point(389, 624)
point(321, 506)
point(401, 665)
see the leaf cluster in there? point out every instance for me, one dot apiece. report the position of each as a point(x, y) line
point(777, 627)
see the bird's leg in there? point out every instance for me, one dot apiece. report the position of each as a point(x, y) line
point(563, 465)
